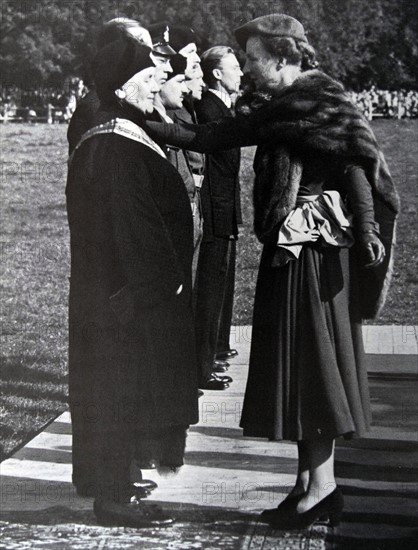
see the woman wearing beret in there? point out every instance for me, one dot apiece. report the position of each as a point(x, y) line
point(131, 356)
point(325, 208)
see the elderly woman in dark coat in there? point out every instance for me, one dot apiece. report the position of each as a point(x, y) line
point(132, 359)
point(324, 208)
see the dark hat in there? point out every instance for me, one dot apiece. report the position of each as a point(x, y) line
point(178, 63)
point(160, 36)
point(274, 25)
point(181, 36)
point(117, 62)
point(117, 28)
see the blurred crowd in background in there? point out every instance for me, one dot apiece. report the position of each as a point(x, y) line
point(41, 105)
point(53, 105)
point(387, 104)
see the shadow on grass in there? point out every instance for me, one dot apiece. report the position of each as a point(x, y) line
point(16, 389)
point(12, 369)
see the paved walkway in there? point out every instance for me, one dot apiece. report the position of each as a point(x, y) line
point(228, 479)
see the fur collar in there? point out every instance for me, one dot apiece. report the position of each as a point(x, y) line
point(315, 114)
point(255, 100)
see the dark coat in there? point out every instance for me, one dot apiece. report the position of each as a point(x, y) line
point(179, 160)
point(83, 118)
point(131, 337)
point(220, 190)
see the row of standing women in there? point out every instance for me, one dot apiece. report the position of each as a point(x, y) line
point(324, 208)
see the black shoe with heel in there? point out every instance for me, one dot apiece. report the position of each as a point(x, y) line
point(288, 505)
point(331, 506)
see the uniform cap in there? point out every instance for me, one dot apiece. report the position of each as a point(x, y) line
point(160, 36)
point(181, 36)
point(178, 64)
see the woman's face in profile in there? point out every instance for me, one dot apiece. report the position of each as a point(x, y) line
point(260, 65)
point(140, 90)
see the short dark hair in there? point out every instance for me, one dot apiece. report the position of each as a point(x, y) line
point(295, 51)
point(211, 59)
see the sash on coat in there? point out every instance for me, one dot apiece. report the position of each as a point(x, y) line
point(122, 127)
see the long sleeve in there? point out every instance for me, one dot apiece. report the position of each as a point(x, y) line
point(226, 133)
point(195, 160)
point(359, 193)
point(226, 162)
point(144, 246)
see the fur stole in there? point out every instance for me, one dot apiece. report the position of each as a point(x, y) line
point(277, 177)
point(315, 114)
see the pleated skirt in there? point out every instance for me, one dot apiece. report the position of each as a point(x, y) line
point(307, 376)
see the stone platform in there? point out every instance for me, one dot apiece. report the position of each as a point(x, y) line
point(227, 480)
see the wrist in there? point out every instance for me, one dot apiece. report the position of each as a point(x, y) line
point(369, 228)
point(370, 231)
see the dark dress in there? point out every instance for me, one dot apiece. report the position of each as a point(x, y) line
point(307, 376)
point(131, 357)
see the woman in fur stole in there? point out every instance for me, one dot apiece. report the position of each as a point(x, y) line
point(325, 209)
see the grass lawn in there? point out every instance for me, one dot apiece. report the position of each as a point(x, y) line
point(34, 280)
point(35, 266)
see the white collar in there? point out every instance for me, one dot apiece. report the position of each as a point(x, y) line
point(223, 96)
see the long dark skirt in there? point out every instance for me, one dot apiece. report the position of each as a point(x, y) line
point(307, 377)
point(133, 384)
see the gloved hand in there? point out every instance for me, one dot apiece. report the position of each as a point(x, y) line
point(372, 249)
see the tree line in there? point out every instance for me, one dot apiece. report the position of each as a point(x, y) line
point(362, 43)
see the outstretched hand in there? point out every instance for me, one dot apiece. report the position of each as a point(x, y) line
point(373, 249)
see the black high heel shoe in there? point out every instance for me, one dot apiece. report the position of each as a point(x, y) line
point(288, 505)
point(331, 506)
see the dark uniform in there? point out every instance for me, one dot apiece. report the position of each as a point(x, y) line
point(190, 165)
point(221, 209)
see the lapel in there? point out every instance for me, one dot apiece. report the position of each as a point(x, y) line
point(182, 115)
point(223, 109)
